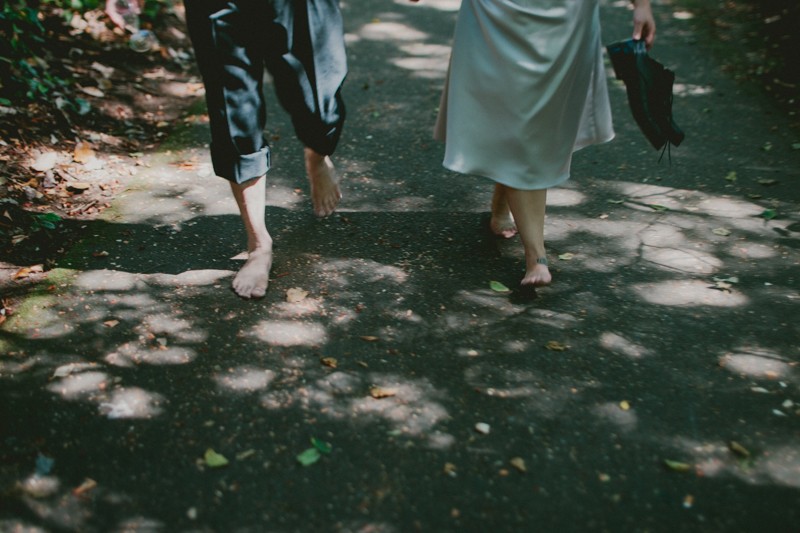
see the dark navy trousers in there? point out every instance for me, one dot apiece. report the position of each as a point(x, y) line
point(300, 43)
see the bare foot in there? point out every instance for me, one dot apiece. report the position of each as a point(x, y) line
point(537, 276)
point(325, 194)
point(502, 223)
point(252, 279)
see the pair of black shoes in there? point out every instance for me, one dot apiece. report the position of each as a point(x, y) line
point(649, 87)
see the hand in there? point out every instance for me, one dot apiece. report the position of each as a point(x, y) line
point(644, 25)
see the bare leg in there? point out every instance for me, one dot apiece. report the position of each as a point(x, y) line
point(502, 223)
point(325, 194)
point(528, 208)
point(253, 277)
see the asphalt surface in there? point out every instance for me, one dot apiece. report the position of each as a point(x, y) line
point(652, 387)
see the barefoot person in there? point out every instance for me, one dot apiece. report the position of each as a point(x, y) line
point(526, 88)
point(301, 44)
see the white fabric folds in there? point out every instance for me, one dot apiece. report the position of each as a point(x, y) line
point(526, 88)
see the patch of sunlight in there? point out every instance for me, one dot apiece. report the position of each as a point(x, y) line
point(108, 280)
point(80, 385)
point(552, 319)
point(441, 5)
point(729, 208)
point(538, 395)
point(457, 322)
point(625, 420)
point(158, 355)
point(178, 328)
point(19, 525)
point(425, 60)
point(190, 278)
point(409, 203)
point(141, 524)
point(757, 362)
point(408, 411)
point(663, 235)
point(778, 465)
point(624, 233)
point(390, 31)
point(782, 466)
point(409, 407)
point(341, 271)
point(439, 440)
point(753, 250)
point(306, 307)
point(563, 197)
point(618, 344)
point(684, 89)
point(284, 197)
point(683, 15)
point(689, 261)
point(688, 293)
point(489, 299)
point(404, 315)
point(244, 379)
point(289, 333)
point(131, 402)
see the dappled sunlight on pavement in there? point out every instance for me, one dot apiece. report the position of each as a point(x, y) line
point(435, 399)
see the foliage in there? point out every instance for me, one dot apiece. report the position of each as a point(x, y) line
point(25, 75)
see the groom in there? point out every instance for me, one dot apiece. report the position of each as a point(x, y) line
point(301, 44)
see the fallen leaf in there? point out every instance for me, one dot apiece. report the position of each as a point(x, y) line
point(767, 182)
point(86, 486)
point(556, 346)
point(78, 186)
point(625, 405)
point(83, 153)
point(322, 446)
point(450, 469)
point(498, 287)
point(738, 449)
point(93, 91)
point(677, 466)
point(25, 272)
point(769, 214)
point(369, 338)
point(519, 464)
point(722, 232)
point(241, 456)
point(731, 176)
point(688, 501)
point(296, 294)
point(566, 257)
point(309, 457)
point(111, 323)
point(767, 146)
point(615, 201)
point(380, 392)
point(213, 459)
point(329, 362)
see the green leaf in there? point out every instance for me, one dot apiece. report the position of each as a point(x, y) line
point(322, 446)
point(769, 214)
point(496, 286)
point(309, 457)
point(214, 460)
point(677, 466)
point(731, 176)
point(615, 201)
point(795, 146)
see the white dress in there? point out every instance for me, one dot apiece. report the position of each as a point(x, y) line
point(526, 88)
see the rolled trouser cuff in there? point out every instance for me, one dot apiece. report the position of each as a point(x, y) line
point(241, 168)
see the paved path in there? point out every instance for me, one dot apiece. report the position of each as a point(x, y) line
point(670, 333)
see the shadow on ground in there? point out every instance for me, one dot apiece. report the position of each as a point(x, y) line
point(653, 385)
